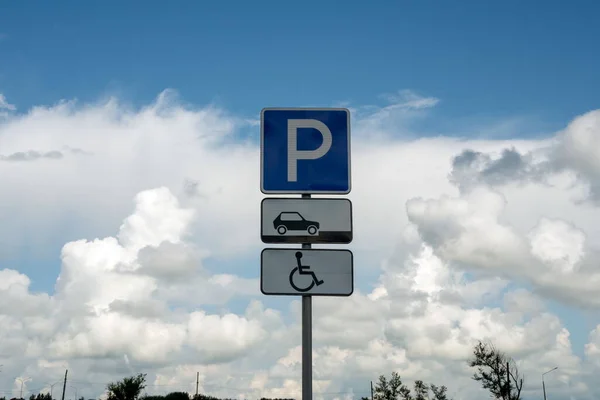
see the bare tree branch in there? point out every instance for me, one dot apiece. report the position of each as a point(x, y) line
point(496, 372)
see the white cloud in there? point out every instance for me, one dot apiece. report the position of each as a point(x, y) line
point(224, 338)
point(4, 104)
point(558, 244)
point(408, 99)
point(108, 304)
point(153, 290)
point(521, 300)
point(573, 152)
point(578, 149)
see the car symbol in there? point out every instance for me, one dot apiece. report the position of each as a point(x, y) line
point(293, 221)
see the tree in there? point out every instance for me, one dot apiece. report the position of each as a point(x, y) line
point(439, 393)
point(382, 389)
point(421, 390)
point(393, 389)
point(127, 389)
point(40, 396)
point(201, 396)
point(277, 398)
point(405, 393)
point(496, 372)
point(153, 397)
point(177, 396)
point(390, 390)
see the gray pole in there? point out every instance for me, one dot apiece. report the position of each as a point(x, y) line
point(22, 382)
point(65, 385)
point(544, 387)
point(543, 383)
point(306, 338)
point(197, 381)
point(508, 389)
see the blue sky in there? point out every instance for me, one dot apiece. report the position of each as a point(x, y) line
point(484, 59)
point(532, 63)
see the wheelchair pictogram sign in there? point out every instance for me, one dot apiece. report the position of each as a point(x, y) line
point(303, 270)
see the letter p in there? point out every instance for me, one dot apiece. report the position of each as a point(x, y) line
point(294, 154)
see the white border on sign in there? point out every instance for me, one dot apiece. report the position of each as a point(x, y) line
point(262, 144)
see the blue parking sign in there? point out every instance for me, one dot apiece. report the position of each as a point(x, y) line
point(305, 150)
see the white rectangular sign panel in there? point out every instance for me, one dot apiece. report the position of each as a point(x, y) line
point(315, 272)
point(293, 220)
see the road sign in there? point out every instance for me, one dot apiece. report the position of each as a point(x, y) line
point(300, 272)
point(293, 220)
point(305, 150)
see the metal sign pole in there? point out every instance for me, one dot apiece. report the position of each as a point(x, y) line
point(301, 220)
point(306, 338)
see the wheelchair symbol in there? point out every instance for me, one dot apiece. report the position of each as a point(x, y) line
point(303, 270)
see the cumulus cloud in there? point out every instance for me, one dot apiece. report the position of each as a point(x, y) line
point(471, 168)
point(4, 104)
point(573, 150)
point(108, 300)
point(469, 231)
point(448, 243)
point(32, 155)
point(558, 244)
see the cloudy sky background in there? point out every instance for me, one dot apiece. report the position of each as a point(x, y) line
point(129, 160)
